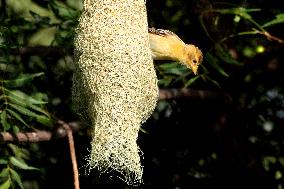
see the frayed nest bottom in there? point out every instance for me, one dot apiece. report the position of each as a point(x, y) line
point(116, 153)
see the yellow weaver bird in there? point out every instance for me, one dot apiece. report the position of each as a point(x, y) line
point(165, 45)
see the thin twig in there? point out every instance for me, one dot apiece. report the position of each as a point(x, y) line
point(271, 37)
point(72, 152)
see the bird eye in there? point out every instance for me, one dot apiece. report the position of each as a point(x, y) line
point(194, 61)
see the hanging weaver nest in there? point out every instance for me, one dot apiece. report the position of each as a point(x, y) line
point(114, 83)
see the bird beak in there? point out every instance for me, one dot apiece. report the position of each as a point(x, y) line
point(194, 69)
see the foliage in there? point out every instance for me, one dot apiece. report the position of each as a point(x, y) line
point(242, 43)
point(23, 103)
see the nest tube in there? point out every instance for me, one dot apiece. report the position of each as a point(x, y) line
point(114, 83)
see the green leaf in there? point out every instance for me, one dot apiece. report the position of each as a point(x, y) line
point(241, 11)
point(213, 81)
point(143, 130)
point(16, 177)
point(204, 27)
point(63, 11)
point(26, 104)
point(16, 149)
point(24, 100)
point(42, 20)
point(24, 7)
point(213, 61)
point(19, 95)
point(23, 110)
point(2, 97)
point(17, 116)
point(19, 152)
point(21, 80)
point(225, 56)
point(278, 20)
point(173, 68)
point(4, 173)
point(3, 161)
point(175, 71)
point(166, 81)
point(21, 164)
point(167, 66)
point(44, 120)
point(6, 184)
point(15, 129)
point(3, 120)
point(43, 37)
point(192, 80)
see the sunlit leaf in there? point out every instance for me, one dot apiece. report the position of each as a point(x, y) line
point(4, 172)
point(39, 109)
point(20, 164)
point(24, 110)
point(243, 12)
point(143, 130)
point(15, 129)
point(24, 7)
point(40, 118)
point(15, 149)
point(20, 96)
point(22, 80)
point(278, 175)
point(3, 120)
point(260, 49)
point(78, 5)
point(3, 161)
point(62, 10)
point(6, 184)
point(28, 105)
point(21, 100)
point(38, 98)
point(278, 20)
point(43, 37)
point(44, 120)
point(16, 177)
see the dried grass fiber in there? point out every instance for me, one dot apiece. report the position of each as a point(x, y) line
point(114, 83)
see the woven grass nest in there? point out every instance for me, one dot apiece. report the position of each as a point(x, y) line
point(114, 83)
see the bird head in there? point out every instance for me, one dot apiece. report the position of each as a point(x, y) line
point(192, 57)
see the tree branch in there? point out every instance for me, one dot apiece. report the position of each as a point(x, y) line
point(165, 94)
point(42, 51)
point(38, 136)
point(60, 132)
